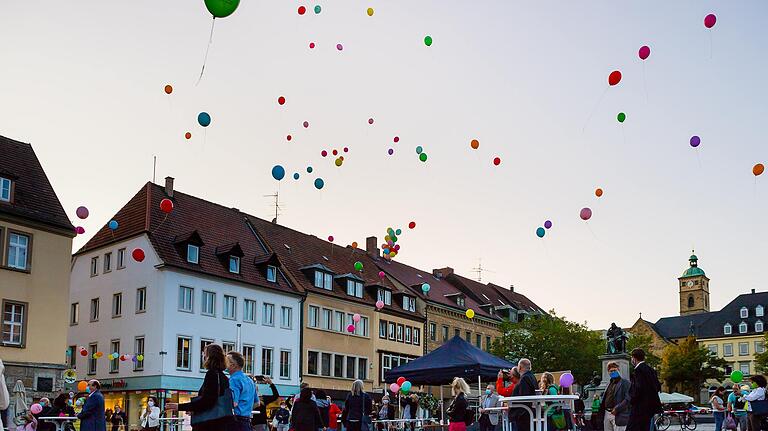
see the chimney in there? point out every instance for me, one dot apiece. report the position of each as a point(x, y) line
point(169, 186)
point(371, 246)
point(753, 290)
point(442, 272)
point(512, 287)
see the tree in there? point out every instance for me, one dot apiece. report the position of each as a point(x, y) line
point(685, 366)
point(644, 342)
point(552, 343)
point(761, 360)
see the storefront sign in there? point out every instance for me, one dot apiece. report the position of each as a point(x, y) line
point(114, 384)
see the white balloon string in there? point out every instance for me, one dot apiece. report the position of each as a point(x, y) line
point(583, 129)
point(645, 84)
point(207, 49)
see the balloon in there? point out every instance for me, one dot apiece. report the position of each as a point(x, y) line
point(379, 304)
point(204, 119)
point(621, 117)
point(405, 387)
point(166, 205)
point(614, 78)
point(566, 380)
point(381, 274)
point(309, 169)
point(419, 149)
point(319, 183)
point(369, 11)
point(390, 151)
point(140, 357)
point(83, 352)
point(187, 135)
point(428, 40)
point(335, 152)
point(80, 230)
point(425, 288)
point(81, 385)
point(398, 232)
point(358, 266)
point(370, 121)
point(168, 89)
point(323, 153)
point(289, 137)
point(346, 149)
point(423, 157)
point(470, 313)
point(644, 52)
point(585, 214)
point(737, 376)
point(278, 172)
point(540, 232)
point(710, 20)
point(475, 144)
point(281, 100)
point(411, 225)
point(338, 162)
point(396, 139)
point(122, 358)
point(339, 46)
point(496, 161)
point(311, 45)
point(82, 212)
point(355, 317)
point(695, 141)
point(394, 387)
point(351, 328)
point(221, 8)
point(135, 359)
point(598, 192)
point(758, 169)
point(354, 244)
point(400, 381)
point(547, 224)
point(306, 124)
point(296, 175)
point(138, 254)
point(318, 9)
point(302, 10)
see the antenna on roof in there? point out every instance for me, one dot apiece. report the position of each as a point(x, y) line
point(276, 204)
point(154, 167)
point(480, 270)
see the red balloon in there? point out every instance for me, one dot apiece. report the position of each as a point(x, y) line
point(710, 20)
point(335, 153)
point(166, 205)
point(496, 161)
point(614, 78)
point(585, 214)
point(411, 225)
point(281, 100)
point(370, 121)
point(323, 153)
point(306, 124)
point(396, 139)
point(311, 45)
point(288, 137)
point(302, 10)
point(83, 352)
point(138, 254)
point(400, 381)
point(188, 135)
point(644, 52)
point(330, 238)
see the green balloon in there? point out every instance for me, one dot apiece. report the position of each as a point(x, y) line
point(318, 9)
point(358, 266)
point(423, 157)
point(221, 8)
point(428, 40)
point(737, 376)
point(621, 117)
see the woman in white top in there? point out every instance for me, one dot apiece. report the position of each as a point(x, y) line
point(718, 407)
point(150, 416)
point(756, 395)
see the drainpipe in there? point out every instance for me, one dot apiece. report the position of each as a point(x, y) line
point(239, 342)
point(301, 338)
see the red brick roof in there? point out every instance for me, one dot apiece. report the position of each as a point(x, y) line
point(33, 196)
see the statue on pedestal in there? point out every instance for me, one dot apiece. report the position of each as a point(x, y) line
point(616, 340)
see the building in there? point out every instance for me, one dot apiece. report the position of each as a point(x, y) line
point(35, 249)
point(206, 277)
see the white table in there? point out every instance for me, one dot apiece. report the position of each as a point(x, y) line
point(172, 424)
point(59, 421)
point(537, 407)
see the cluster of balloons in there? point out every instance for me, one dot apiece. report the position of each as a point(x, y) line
point(421, 153)
point(402, 385)
point(302, 10)
point(541, 231)
point(390, 247)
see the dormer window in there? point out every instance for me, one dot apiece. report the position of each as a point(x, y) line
point(384, 296)
point(460, 301)
point(323, 280)
point(744, 313)
point(727, 329)
point(271, 273)
point(193, 253)
point(409, 303)
point(5, 189)
point(759, 326)
point(743, 328)
point(234, 264)
point(759, 311)
point(354, 288)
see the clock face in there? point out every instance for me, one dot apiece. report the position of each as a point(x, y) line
point(690, 283)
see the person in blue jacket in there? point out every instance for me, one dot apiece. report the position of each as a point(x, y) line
point(92, 416)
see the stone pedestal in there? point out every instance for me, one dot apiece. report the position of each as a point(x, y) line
point(622, 359)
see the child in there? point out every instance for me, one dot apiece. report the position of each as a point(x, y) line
point(283, 416)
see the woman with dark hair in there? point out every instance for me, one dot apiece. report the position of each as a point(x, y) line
point(718, 407)
point(206, 403)
point(305, 416)
point(757, 394)
point(259, 420)
point(118, 419)
point(150, 416)
point(323, 402)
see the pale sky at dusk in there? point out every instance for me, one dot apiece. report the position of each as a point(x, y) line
point(83, 82)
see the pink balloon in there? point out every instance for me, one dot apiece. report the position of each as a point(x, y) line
point(351, 328)
point(36, 409)
point(381, 274)
point(330, 238)
point(79, 230)
point(355, 317)
point(339, 46)
point(379, 304)
point(394, 387)
point(710, 20)
point(644, 52)
point(585, 214)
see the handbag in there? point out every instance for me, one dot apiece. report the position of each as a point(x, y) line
point(558, 419)
point(730, 423)
point(222, 408)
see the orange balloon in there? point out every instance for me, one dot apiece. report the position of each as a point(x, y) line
point(475, 144)
point(82, 386)
point(354, 244)
point(599, 192)
point(758, 169)
point(168, 89)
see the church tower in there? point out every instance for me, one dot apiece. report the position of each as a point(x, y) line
point(694, 289)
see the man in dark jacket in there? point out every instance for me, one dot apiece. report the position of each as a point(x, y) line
point(92, 416)
point(615, 403)
point(643, 394)
point(526, 386)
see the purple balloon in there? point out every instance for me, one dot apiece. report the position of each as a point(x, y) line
point(695, 141)
point(391, 151)
point(585, 214)
point(547, 224)
point(566, 380)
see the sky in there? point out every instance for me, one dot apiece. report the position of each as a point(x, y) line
point(83, 83)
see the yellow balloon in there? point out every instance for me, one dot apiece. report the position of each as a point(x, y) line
point(470, 313)
point(370, 11)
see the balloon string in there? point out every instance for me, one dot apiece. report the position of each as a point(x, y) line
point(591, 231)
point(698, 158)
point(208, 48)
point(583, 129)
point(710, 44)
point(645, 84)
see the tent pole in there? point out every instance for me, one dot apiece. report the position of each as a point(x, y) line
point(442, 407)
point(479, 392)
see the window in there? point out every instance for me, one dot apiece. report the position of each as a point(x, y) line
point(208, 304)
point(228, 346)
point(488, 343)
point(408, 330)
point(409, 303)
point(363, 327)
point(690, 301)
point(314, 316)
point(456, 332)
point(266, 361)
point(203, 344)
point(183, 353)
point(390, 361)
point(325, 364)
point(384, 296)
point(271, 273)
point(744, 368)
point(391, 330)
point(416, 336)
point(712, 348)
point(71, 358)
point(114, 364)
point(248, 356)
point(468, 336)
point(286, 317)
point(744, 312)
point(268, 314)
point(338, 365)
point(350, 367)
point(92, 349)
point(107, 262)
point(460, 301)
point(249, 310)
point(339, 321)
point(759, 326)
point(117, 305)
point(312, 363)
point(319, 279)
point(354, 288)
point(193, 253)
point(5, 189)
point(432, 331)
point(383, 329)
point(230, 307)
point(479, 341)
point(186, 294)
point(743, 349)
point(759, 346)
point(759, 311)
point(94, 309)
point(327, 319)
point(743, 327)
point(234, 264)
point(138, 347)
point(94, 266)
point(141, 299)
point(121, 258)
point(400, 333)
point(14, 322)
point(74, 314)
point(323, 280)
point(18, 246)
point(285, 364)
point(445, 333)
point(728, 349)
point(362, 368)
point(727, 329)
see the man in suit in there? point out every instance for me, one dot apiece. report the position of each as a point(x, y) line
point(644, 391)
point(92, 416)
point(615, 404)
point(489, 418)
point(526, 386)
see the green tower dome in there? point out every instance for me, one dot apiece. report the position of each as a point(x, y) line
point(694, 269)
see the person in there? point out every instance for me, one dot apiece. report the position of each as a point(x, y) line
point(333, 416)
point(61, 407)
point(567, 409)
point(410, 404)
point(30, 422)
point(259, 419)
point(718, 407)
point(323, 402)
point(92, 416)
point(150, 415)
point(512, 376)
point(757, 394)
point(578, 412)
point(458, 412)
point(525, 387)
point(357, 408)
point(386, 413)
point(5, 399)
point(594, 419)
point(215, 385)
point(489, 418)
point(305, 416)
point(644, 390)
point(615, 403)
point(243, 391)
point(47, 408)
point(737, 408)
point(547, 387)
point(282, 417)
point(119, 420)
